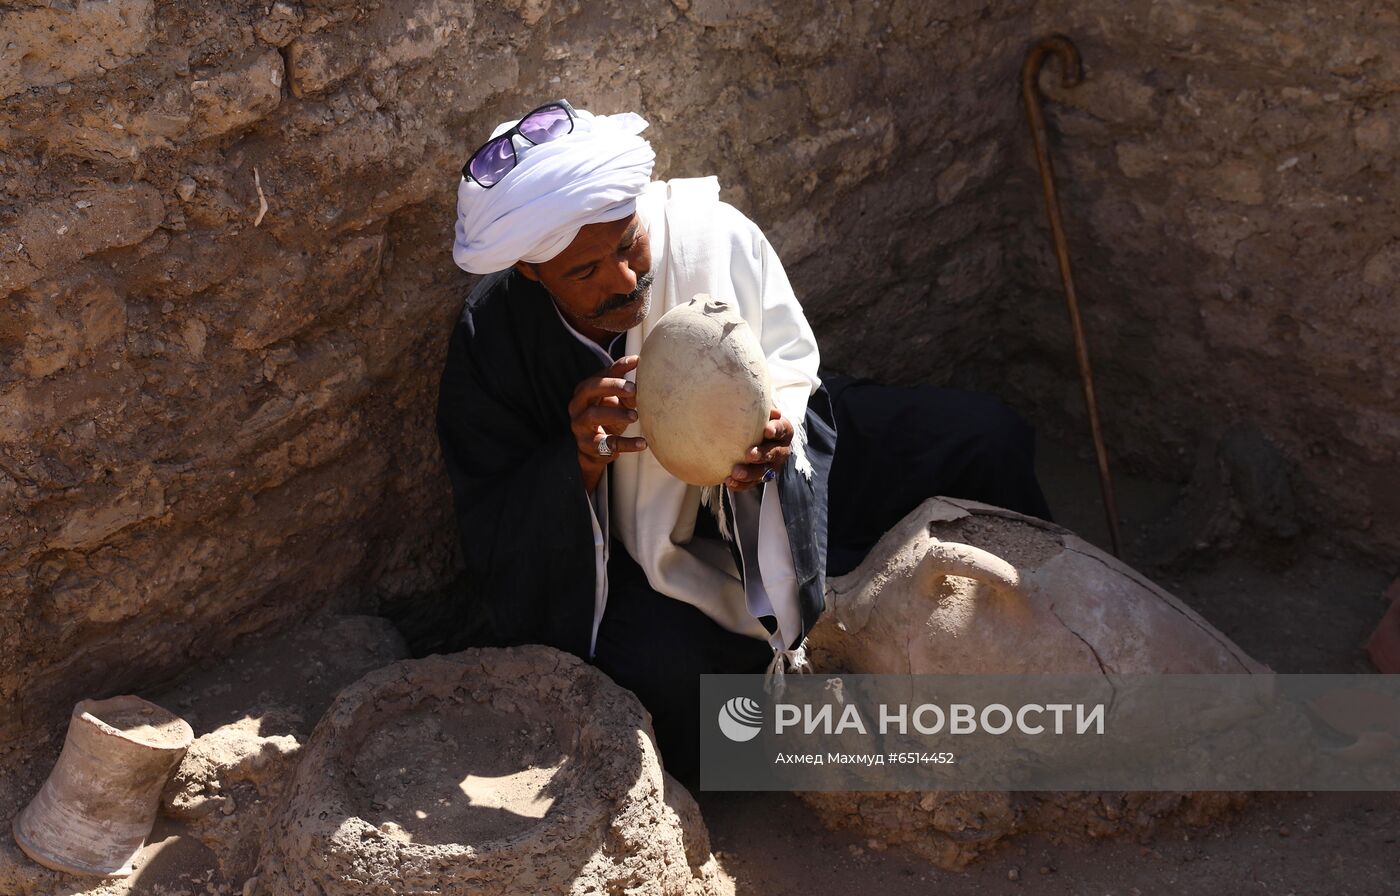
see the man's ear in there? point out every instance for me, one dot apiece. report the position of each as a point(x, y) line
point(528, 270)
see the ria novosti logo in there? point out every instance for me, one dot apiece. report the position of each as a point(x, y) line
point(740, 719)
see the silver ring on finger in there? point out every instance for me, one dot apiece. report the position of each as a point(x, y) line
point(605, 447)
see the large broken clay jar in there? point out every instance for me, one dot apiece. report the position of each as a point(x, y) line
point(510, 771)
point(98, 804)
point(961, 588)
point(703, 392)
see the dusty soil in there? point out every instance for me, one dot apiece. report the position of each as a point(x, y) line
point(1333, 844)
point(468, 777)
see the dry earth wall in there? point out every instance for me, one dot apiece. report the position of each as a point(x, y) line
point(216, 417)
point(1228, 176)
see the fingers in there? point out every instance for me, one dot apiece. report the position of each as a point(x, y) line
point(746, 476)
point(617, 444)
point(768, 455)
point(612, 419)
point(609, 382)
point(602, 408)
point(595, 389)
point(765, 458)
point(779, 429)
point(776, 444)
point(623, 365)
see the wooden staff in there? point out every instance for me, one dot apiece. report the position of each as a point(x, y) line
point(1071, 71)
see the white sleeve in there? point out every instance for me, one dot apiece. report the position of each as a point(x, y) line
point(768, 303)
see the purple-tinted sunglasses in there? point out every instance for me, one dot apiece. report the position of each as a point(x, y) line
point(496, 157)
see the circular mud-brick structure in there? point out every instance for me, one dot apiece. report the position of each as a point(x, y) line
point(491, 771)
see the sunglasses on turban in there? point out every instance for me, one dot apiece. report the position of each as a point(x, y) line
point(496, 158)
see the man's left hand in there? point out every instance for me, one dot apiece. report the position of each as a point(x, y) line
point(768, 455)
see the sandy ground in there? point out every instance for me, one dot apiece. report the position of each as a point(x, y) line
point(1332, 844)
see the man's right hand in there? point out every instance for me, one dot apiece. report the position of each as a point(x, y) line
point(602, 407)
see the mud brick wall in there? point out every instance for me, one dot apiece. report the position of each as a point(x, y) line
point(216, 418)
point(1228, 176)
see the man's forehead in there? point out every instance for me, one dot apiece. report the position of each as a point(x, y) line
point(596, 241)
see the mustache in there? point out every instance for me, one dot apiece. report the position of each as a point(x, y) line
point(616, 302)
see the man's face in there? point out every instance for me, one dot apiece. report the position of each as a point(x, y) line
point(602, 281)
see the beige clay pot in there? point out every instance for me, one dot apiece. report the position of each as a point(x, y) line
point(99, 802)
point(703, 392)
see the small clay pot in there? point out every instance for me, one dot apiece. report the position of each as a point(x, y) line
point(703, 392)
point(100, 801)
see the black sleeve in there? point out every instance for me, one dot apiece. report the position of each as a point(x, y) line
point(522, 514)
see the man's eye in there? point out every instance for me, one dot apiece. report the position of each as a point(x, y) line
point(586, 274)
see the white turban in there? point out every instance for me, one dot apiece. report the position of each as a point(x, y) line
point(591, 175)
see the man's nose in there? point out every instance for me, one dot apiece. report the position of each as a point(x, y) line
point(623, 279)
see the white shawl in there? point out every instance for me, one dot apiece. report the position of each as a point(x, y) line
point(700, 244)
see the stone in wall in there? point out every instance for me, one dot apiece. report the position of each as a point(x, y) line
point(318, 62)
point(54, 234)
point(44, 47)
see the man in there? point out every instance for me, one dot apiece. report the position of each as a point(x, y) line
point(573, 534)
